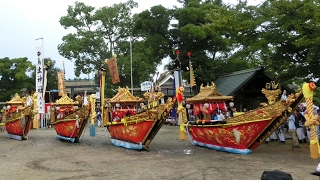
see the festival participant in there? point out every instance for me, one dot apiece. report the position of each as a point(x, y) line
point(292, 131)
point(281, 135)
point(280, 131)
point(273, 136)
point(299, 122)
point(267, 140)
point(284, 96)
point(99, 117)
point(220, 116)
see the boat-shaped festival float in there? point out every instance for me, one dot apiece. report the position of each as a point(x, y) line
point(132, 128)
point(17, 116)
point(70, 117)
point(239, 134)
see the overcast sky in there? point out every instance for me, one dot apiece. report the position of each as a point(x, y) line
point(22, 21)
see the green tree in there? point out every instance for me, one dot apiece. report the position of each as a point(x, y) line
point(142, 63)
point(290, 31)
point(15, 74)
point(97, 32)
point(203, 30)
point(52, 80)
point(280, 35)
point(152, 26)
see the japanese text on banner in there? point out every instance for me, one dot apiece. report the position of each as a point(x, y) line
point(39, 80)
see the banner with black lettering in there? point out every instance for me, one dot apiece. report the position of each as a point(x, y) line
point(40, 81)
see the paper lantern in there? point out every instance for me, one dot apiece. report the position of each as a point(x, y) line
point(206, 105)
point(188, 106)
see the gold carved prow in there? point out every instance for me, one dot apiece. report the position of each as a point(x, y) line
point(79, 99)
point(153, 96)
point(272, 92)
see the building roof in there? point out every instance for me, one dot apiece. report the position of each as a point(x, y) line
point(16, 100)
point(164, 77)
point(208, 94)
point(230, 83)
point(124, 96)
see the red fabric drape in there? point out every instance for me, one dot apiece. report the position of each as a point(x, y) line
point(222, 106)
point(196, 109)
point(211, 109)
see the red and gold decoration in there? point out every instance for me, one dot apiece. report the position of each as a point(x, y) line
point(135, 130)
point(243, 133)
point(311, 119)
point(224, 135)
point(181, 111)
point(17, 116)
point(135, 133)
point(122, 104)
point(68, 118)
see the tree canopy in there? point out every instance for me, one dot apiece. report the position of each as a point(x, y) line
point(15, 74)
point(278, 34)
point(97, 31)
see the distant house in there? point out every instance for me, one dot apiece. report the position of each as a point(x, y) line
point(245, 86)
point(73, 88)
point(166, 83)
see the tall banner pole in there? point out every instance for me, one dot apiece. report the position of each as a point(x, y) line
point(176, 76)
point(179, 89)
point(40, 82)
point(102, 85)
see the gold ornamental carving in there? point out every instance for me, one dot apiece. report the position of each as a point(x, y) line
point(65, 100)
point(124, 95)
point(16, 100)
point(272, 92)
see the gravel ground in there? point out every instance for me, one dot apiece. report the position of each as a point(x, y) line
point(44, 157)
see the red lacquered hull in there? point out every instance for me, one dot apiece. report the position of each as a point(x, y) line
point(67, 128)
point(134, 133)
point(19, 128)
point(224, 136)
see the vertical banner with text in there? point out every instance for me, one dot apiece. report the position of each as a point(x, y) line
point(113, 70)
point(61, 81)
point(40, 81)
